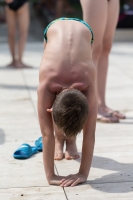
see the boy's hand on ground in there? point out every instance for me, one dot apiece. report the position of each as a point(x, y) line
point(73, 180)
point(56, 180)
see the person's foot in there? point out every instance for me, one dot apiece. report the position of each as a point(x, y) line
point(20, 65)
point(71, 149)
point(107, 118)
point(59, 144)
point(108, 115)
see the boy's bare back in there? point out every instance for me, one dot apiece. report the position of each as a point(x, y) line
point(67, 60)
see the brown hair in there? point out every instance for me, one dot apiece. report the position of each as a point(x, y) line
point(70, 111)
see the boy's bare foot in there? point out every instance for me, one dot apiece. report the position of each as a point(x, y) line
point(107, 115)
point(59, 144)
point(71, 149)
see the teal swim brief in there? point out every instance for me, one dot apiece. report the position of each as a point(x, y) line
point(64, 18)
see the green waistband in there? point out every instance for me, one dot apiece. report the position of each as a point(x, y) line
point(64, 18)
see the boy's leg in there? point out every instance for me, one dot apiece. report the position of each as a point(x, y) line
point(11, 24)
point(71, 149)
point(23, 25)
point(59, 144)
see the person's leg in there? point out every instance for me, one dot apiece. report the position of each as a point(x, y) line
point(59, 144)
point(69, 9)
point(23, 25)
point(60, 4)
point(11, 24)
point(63, 7)
point(95, 13)
point(113, 11)
point(71, 149)
point(2, 14)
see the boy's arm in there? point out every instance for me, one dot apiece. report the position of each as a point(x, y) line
point(45, 101)
point(89, 135)
point(88, 143)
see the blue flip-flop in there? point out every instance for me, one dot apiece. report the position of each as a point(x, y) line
point(38, 144)
point(25, 151)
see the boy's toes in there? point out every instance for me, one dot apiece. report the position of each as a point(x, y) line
point(70, 157)
point(67, 157)
point(58, 156)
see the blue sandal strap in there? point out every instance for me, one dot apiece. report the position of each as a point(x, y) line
point(25, 151)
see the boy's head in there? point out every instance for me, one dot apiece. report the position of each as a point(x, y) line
point(70, 111)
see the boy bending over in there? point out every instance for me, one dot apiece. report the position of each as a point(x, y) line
point(67, 97)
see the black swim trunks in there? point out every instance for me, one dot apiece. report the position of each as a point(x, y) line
point(16, 4)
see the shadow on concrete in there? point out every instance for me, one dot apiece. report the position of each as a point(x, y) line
point(17, 87)
point(112, 183)
point(124, 174)
point(128, 120)
point(2, 136)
